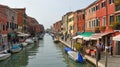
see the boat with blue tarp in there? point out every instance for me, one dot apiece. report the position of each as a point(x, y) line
point(66, 49)
point(76, 56)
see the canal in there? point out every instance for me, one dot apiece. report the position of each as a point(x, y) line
point(46, 53)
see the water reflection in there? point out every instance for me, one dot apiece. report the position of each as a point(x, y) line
point(20, 59)
point(46, 53)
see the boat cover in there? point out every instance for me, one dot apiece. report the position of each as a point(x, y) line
point(67, 49)
point(80, 58)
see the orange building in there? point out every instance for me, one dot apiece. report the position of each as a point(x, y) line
point(79, 21)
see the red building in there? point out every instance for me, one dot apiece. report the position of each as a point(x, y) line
point(105, 14)
point(57, 27)
point(8, 21)
point(21, 15)
point(79, 21)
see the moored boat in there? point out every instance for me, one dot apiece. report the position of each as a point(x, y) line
point(16, 49)
point(24, 44)
point(66, 49)
point(76, 56)
point(29, 41)
point(4, 56)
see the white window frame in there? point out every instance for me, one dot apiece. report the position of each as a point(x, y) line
point(104, 21)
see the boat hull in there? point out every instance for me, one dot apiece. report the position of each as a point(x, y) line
point(76, 56)
point(4, 56)
point(16, 50)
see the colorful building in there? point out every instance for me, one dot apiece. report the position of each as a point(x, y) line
point(90, 18)
point(9, 22)
point(64, 24)
point(79, 21)
point(71, 24)
point(21, 15)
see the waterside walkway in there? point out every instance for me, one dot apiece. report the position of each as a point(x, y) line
point(113, 61)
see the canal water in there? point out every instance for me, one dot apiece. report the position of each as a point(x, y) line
point(46, 53)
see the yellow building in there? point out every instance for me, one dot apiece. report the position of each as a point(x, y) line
point(71, 23)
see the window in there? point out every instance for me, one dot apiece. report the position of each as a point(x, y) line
point(117, 7)
point(103, 4)
point(111, 19)
point(3, 27)
point(118, 18)
point(111, 1)
point(71, 27)
point(104, 21)
point(10, 25)
point(89, 11)
point(71, 19)
point(83, 17)
point(97, 22)
point(89, 24)
point(94, 23)
point(97, 7)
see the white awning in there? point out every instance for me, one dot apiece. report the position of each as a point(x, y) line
point(86, 38)
point(96, 36)
point(116, 38)
point(78, 36)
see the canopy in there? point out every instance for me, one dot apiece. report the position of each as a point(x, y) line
point(116, 38)
point(97, 36)
point(78, 36)
point(79, 33)
point(87, 35)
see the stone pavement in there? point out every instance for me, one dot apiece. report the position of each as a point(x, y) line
point(113, 61)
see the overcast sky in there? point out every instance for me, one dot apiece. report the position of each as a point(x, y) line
point(47, 12)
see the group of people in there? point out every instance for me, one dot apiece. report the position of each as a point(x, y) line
point(101, 47)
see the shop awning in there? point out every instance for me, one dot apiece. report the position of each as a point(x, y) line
point(78, 36)
point(87, 35)
point(116, 38)
point(79, 33)
point(97, 36)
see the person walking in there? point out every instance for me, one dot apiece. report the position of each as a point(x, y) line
point(98, 50)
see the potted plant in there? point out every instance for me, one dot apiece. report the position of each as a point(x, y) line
point(102, 28)
point(116, 26)
point(111, 26)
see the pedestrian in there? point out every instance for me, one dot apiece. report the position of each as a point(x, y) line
point(111, 50)
point(98, 47)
